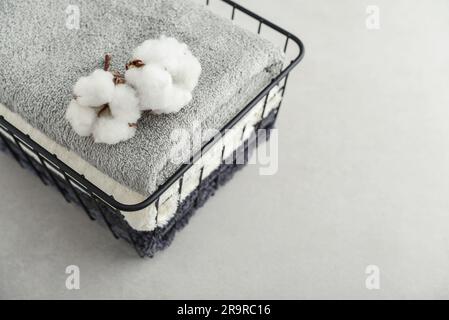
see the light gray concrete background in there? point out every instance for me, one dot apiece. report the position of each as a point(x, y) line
point(363, 180)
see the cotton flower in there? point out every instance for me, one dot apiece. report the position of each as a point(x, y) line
point(94, 90)
point(120, 122)
point(156, 89)
point(81, 118)
point(174, 56)
point(124, 104)
point(164, 73)
point(105, 107)
point(110, 130)
point(161, 78)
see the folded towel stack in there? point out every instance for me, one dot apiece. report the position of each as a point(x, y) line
point(41, 59)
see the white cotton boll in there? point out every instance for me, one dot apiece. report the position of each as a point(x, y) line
point(94, 90)
point(111, 131)
point(124, 104)
point(149, 76)
point(174, 56)
point(173, 100)
point(156, 90)
point(166, 81)
point(166, 52)
point(188, 73)
point(82, 119)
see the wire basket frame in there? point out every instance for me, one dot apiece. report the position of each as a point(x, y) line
point(53, 170)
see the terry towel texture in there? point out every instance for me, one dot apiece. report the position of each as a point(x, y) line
point(41, 59)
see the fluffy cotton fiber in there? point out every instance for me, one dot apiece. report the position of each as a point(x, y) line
point(174, 56)
point(110, 130)
point(124, 104)
point(95, 90)
point(81, 118)
point(103, 107)
point(166, 75)
point(156, 89)
point(161, 78)
point(120, 125)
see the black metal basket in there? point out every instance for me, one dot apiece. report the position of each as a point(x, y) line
point(103, 207)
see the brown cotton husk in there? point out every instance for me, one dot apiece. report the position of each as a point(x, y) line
point(103, 109)
point(118, 78)
point(107, 62)
point(135, 64)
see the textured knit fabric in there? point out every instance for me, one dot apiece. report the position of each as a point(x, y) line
point(41, 59)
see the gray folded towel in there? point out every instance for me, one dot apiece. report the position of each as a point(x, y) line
point(41, 59)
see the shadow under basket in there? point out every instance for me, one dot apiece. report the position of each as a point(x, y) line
point(98, 205)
